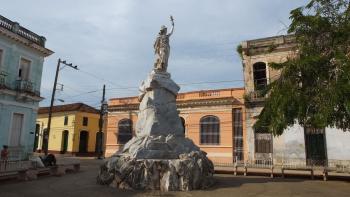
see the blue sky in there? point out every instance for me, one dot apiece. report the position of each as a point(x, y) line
point(111, 41)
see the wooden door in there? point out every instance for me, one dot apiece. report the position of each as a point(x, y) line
point(16, 129)
point(315, 147)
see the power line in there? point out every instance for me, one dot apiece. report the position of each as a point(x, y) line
point(135, 87)
point(97, 77)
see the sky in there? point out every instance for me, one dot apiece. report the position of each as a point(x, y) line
point(111, 41)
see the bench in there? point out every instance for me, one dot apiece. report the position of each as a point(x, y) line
point(65, 164)
point(297, 168)
point(28, 170)
point(59, 169)
point(258, 164)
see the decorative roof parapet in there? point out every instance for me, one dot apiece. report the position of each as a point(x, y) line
point(21, 31)
point(182, 104)
point(186, 96)
point(269, 44)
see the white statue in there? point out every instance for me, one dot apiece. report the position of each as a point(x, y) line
point(159, 156)
point(162, 47)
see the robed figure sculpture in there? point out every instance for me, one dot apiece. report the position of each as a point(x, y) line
point(162, 48)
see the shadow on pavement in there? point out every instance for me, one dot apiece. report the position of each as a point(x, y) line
point(229, 181)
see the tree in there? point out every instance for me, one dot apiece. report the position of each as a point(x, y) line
point(314, 87)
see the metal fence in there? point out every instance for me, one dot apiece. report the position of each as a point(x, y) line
point(339, 166)
point(14, 165)
point(15, 162)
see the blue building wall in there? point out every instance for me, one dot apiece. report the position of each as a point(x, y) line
point(17, 99)
point(27, 134)
point(12, 53)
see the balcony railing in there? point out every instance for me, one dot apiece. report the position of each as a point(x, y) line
point(208, 93)
point(255, 96)
point(21, 31)
point(24, 86)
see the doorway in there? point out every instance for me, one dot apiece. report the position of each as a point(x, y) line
point(64, 143)
point(44, 140)
point(16, 129)
point(315, 147)
point(83, 142)
point(99, 142)
point(36, 137)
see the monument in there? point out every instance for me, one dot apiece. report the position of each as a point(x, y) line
point(159, 156)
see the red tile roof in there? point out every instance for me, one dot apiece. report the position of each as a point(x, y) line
point(69, 107)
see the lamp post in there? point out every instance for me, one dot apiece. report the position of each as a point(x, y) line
point(47, 134)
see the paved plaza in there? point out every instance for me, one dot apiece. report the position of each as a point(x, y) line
point(84, 184)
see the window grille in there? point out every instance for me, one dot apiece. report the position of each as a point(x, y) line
point(210, 130)
point(263, 142)
point(259, 73)
point(238, 134)
point(124, 131)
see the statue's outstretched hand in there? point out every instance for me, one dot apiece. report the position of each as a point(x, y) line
point(172, 20)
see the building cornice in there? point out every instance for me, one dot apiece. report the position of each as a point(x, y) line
point(30, 40)
point(44, 51)
point(183, 104)
point(21, 95)
point(16, 103)
point(283, 43)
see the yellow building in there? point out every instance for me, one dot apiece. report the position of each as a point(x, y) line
point(74, 129)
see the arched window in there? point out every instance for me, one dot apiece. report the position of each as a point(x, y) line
point(210, 130)
point(124, 131)
point(259, 73)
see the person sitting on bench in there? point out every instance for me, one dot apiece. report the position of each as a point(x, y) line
point(48, 160)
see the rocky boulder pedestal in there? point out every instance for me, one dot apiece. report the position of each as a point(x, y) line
point(159, 156)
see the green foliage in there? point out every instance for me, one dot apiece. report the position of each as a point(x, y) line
point(271, 48)
point(246, 98)
point(239, 50)
point(314, 88)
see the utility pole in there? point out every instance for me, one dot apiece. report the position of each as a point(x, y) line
point(103, 109)
point(47, 134)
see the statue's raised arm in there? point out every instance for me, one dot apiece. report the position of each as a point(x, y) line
point(172, 25)
point(162, 47)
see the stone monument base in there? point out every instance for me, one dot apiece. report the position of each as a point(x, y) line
point(189, 172)
point(158, 147)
